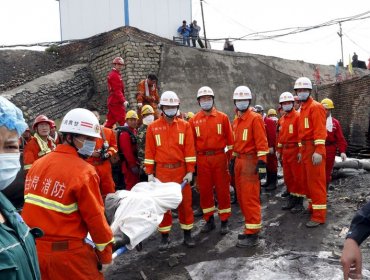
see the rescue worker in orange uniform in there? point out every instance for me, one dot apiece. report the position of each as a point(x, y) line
point(62, 198)
point(312, 135)
point(147, 94)
point(128, 148)
point(105, 148)
point(116, 99)
point(248, 164)
point(170, 156)
point(41, 143)
point(334, 139)
point(212, 132)
point(288, 148)
point(272, 165)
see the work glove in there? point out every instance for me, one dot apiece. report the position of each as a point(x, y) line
point(261, 169)
point(278, 155)
point(299, 157)
point(188, 177)
point(135, 170)
point(139, 105)
point(125, 103)
point(232, 166)
point(271, 150)
point(343, 156)
point(316, 158)
point(151, 178)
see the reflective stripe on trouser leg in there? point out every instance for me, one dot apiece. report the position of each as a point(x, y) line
point(248, 190)
point(316, 182)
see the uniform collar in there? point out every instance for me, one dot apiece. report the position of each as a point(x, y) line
point(66, 149)
point(213, 112)
point(246, 114)
point(307, 103)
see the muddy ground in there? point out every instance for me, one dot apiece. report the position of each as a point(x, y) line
point(288, 250)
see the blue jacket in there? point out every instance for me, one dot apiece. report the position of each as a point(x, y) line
point(184, 31)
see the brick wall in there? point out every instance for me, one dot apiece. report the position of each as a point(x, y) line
point(352, 108)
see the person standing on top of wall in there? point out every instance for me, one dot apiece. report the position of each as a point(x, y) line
point(117, 102)
point(184, 30)
point(334, 140)
point(147, 94)
point(41, 143)
point(312, 135)
point(62, 198)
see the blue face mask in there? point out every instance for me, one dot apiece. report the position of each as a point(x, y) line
point(242, 105)
point(206, 105)
point(170, 112)
point(87, 148)
point(287, 107)
point(303, 95)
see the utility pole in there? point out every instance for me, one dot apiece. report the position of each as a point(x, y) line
point(340, 34)
point(204, 25)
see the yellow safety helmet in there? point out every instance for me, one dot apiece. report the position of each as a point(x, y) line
point(327, 103)
point(131, 115)
point(146, 110)
point(190, 115)
point(271, 112)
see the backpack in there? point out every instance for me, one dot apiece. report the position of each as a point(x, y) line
point(119, 130)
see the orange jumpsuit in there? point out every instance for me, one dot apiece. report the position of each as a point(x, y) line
point(35, 149)
point(250, 145)
point(151, 98)
point(62, 198)
point(312, 135)
point(170, 146)
point(212, 134)
point(116, 99)
point(288, 146)
point(103, 166)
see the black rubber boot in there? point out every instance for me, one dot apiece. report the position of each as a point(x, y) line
point(247, 240)
point(224, 227)
point(165, 242)
point(298, 207)
point(209, 225)
point(285, 194)
point(272, 183)
point(267, 180)
point(292, 200)
point(188, 239)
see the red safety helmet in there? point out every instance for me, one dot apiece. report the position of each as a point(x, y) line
point(52, 124)
point(118, 60)
point(40, 119)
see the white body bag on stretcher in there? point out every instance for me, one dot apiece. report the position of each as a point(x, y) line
point(137, 213)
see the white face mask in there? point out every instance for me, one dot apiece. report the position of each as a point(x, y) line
point(242, 105)
point(87, 148)
point(206, 105)
point(303, 95)
point(148, 119)
point(287, 107)
point(170, 112)
point(9, 167)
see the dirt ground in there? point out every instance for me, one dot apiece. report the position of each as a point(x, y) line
point(288, 250)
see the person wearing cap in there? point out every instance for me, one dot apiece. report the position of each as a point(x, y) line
point(272, 165)
point(170, 156)
point(287, 150)
point(248, 164)
point(54, 133)
point(105, 149)
point(184, 31)
point(312, 135)
point(25, 138)
point(147, 94)
point(117, 102)
point(41, 143)
point(127, 144)
point(212, 133)
point(147, 113)
point(272, 114)
point(334, 139)
point(17, 241)
point(62, 197)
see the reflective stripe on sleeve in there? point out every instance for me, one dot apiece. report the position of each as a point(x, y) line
point(262, 153)
point(148, 161)
point(319, 142)
point(190, 159)
point(50, 204)
point(27, 166)
point(101, 246)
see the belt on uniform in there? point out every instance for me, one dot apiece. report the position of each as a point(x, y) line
point(57, 246)
point(307, 142)
point(290, 145)
point(211, 152)
point(248, 155)
point(170, 165)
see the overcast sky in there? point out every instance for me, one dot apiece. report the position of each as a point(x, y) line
point(30, 21)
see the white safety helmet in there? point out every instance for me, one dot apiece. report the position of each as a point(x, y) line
point(242, 92)
point(81, 121)
point(303, 83)
point(169, 98)
point(286, 96)
point(205, 91)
